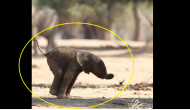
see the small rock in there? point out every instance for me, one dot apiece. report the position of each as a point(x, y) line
point(137, 93)
point(47, 105)
point(103, 97)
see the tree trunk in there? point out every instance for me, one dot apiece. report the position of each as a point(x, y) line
point(109, 35)
point(111, 25)
point(65, 28)
point(89, 30)
point(137, 23)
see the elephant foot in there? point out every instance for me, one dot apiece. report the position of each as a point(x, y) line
point(53, 92)
point(62, 96)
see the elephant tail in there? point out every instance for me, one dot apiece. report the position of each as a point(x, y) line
point(34, 39)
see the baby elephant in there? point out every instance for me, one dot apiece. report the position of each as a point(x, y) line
point(67, 63)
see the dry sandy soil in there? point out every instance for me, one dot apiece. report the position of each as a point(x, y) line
point(88, 89)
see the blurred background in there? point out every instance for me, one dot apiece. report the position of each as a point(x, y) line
point(131, 20)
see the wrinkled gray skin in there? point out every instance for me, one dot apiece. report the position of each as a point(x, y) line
point(67, 63)
point(42, 18)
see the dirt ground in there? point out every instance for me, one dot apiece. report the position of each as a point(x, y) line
point(90, 90)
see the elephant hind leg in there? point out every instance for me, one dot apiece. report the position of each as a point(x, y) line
point(69, 79)
point(58, 73)
point(55, 85)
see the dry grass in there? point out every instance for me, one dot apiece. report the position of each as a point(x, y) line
point(135, 104)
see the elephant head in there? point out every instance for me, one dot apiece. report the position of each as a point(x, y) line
point(92, 63)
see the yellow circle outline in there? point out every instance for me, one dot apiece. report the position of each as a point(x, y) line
point(75, 107)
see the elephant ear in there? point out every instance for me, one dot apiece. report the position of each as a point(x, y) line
point(84, 59)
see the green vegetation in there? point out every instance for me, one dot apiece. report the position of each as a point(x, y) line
point(105, 12)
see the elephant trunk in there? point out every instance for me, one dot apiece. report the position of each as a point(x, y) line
point(109, 76)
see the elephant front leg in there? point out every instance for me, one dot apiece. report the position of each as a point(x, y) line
point(69, 75)
point(71, 85)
